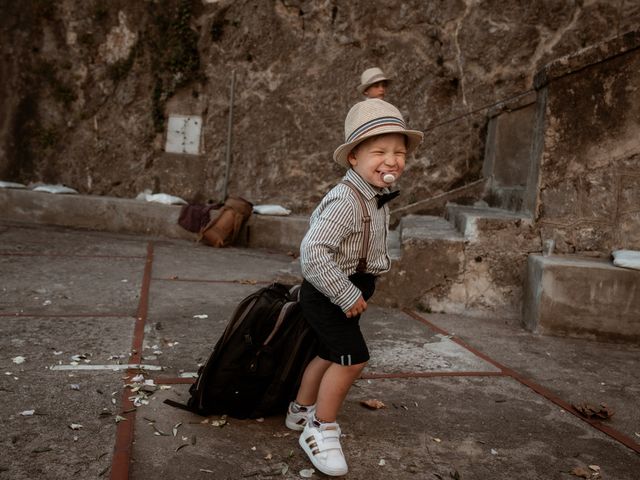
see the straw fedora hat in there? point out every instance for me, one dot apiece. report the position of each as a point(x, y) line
point(371, 76)
point(369, 118)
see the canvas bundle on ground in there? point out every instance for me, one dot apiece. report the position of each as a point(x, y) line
point(225, 224)
point(256, 366)
point(194, 217)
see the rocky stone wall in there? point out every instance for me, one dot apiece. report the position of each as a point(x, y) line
point(588, 198)
point(88, 86)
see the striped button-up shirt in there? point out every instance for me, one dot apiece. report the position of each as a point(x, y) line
point(330, 250)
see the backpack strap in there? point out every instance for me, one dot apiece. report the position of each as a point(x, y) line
point(294, 292)
point(366, 220)
point(284, 311)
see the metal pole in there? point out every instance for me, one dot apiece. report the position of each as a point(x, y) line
point(229, 131)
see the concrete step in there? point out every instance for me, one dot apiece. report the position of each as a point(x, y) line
point(415, 228)
point(568, 295)
point(473, 263)
point(471, 220)
point(431, 253)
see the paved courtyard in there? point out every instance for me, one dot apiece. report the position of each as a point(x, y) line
point(83, 313)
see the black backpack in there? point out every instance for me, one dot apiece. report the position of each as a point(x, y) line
point(256, 367)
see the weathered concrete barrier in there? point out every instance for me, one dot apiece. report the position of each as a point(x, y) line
point(582, 297)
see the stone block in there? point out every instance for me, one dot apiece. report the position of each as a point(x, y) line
point(495, 261)
point(283, 233)
point(581, 297)
point(432, 256)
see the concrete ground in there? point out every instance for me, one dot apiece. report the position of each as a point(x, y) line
point(465, 398)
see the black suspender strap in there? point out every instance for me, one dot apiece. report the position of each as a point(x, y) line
point(366, 220)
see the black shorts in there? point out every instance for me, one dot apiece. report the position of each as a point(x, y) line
point(340, 339)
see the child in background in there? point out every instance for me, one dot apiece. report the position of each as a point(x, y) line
point(373, 83)
point(335, 290)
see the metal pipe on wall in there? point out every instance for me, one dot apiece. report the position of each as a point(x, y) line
point(229, 137)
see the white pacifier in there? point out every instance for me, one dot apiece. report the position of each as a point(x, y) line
point(388, 178)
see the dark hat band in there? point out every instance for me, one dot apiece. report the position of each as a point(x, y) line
point(375, 123)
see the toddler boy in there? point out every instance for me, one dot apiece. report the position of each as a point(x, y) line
point(335, 289)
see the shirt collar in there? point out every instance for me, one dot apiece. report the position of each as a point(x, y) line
point(368, 190)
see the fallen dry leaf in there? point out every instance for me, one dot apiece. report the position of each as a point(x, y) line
point(372, 404)
point(602, 411)
point(580, 472)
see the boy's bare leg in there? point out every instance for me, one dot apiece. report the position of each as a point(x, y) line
point(308, 391)
point(334, 387)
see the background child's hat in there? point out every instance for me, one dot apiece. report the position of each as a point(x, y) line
point(369, 118)
point(371, 76)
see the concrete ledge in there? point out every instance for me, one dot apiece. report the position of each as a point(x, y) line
point(93, 212)
point(111, 214)
point(581, 297)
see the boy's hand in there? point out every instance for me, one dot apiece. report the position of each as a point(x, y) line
point(357, 308)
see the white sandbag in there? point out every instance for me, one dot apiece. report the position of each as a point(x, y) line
point(160, 198)
point(54, 189)
point(11, 185)
point(626, 258)
point(271, 210)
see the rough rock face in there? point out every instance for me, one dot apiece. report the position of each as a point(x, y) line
point(589, 180)
point(88, 86)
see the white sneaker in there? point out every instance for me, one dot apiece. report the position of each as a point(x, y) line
point(322, 446)
point(297, 420)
